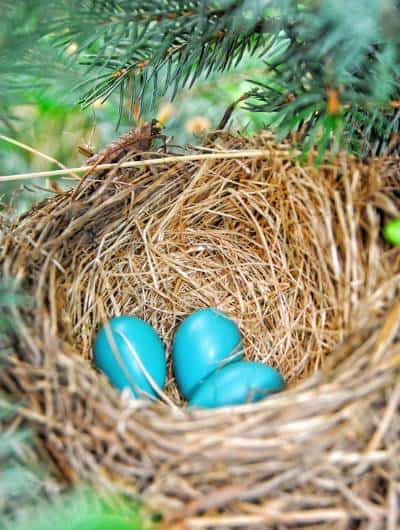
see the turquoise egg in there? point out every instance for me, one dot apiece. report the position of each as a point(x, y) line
point(204, 341)
point(135, 342)
point(236, 384)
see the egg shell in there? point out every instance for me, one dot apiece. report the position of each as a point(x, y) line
point(204, 341)
point(120, 365)
point(236, 384)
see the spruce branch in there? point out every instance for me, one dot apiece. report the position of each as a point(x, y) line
point(158, 44)
point(332, 69)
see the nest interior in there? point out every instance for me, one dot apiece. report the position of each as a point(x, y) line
point(294, 253)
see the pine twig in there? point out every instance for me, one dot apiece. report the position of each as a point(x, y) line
point(228, 113)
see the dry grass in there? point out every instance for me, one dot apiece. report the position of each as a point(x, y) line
point(295, 255)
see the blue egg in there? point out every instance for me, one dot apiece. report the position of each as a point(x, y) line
point(132, 337)
point(236, 384)
point(204, 341)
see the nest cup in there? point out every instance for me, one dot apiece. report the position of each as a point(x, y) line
point(294, 254)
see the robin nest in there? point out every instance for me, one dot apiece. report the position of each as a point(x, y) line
point(294, 253)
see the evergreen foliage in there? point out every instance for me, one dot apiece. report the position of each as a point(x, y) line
point(15, 26)
point(331, 68)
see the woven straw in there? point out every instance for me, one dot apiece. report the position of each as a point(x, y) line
point(295, 254)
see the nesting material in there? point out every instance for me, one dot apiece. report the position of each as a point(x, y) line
point(295, 255)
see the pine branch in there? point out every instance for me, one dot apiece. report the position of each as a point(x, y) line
point(159, 44)
point(337, 81)
point(331, 68)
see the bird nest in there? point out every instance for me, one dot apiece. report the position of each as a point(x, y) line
point(294, 253)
